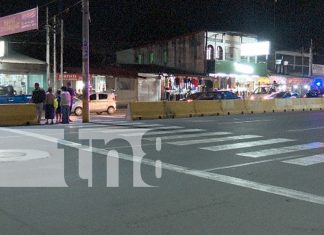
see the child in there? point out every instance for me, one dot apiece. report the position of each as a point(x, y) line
point(58, 109)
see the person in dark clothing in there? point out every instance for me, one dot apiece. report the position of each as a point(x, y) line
point(72, 94)
point(38, 98)
point(58, 109)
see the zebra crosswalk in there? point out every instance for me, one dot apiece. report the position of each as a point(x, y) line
point(244, 146)
point(181, 136)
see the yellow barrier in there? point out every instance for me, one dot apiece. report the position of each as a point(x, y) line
point(145, 110)
point(233, 107)
point(208, 107)
point(260, 106)
point(179, 109)
point(17, 114)
point(310, 104)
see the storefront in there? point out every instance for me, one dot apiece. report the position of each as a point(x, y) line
point(98, 83)
point(22, 73)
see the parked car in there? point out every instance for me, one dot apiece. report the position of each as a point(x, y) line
point(219, 95)
point(99, 103)
point(193, 96)
point(313, 94)
point(8, 96)
point(281, 95)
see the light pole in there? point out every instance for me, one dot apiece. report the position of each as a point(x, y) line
point(85, 60)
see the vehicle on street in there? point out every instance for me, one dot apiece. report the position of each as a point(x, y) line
point(99, 103)
point(193, 96)
point(313, 94)
point(281, 95)
point(219, 95)
point(8, 96)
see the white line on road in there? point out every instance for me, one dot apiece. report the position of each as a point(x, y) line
point(288, 149)
point(157, 132)
point(173, 137)
point(251, 163)
point(307, 161)
point(246, 144)
point(290, 193)
point(212, 140)
point(306, 129)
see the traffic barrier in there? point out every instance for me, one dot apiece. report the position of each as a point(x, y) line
point(260, 106)
point(17, 114)
point(208, 107)
point(179, 109)
point(145, 110)
point(311, 104)
point(234, 107)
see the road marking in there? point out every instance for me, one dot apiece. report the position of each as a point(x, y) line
point(173, 137)
point(251, 163)
point(288, 149)
point(164, 132)
point(246, 144)
point(149, 125)
point(307, 129)
point(212, 140)
point(307, 161)
point(271, 189)
point(19, 155)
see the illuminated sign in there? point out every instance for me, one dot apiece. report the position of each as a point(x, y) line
point(2, 48)
point(255, 49)
point(243, 68)
point(20, 22)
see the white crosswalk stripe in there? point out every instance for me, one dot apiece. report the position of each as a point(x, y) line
point(157, 132)
point(276, 151)
point(307, 161)
point(246, 144)
point(173, 137)
point(211, 140)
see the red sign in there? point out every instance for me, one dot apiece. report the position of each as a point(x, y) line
point(71, 76)
point(20, 22)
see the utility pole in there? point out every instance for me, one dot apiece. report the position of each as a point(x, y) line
point(85, 60)
point(62, 47)
point(310, 71)
point(54, 52)
point(47, 50)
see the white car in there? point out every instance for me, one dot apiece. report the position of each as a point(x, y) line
point(99, 103)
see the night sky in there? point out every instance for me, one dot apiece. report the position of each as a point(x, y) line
point(124, 23)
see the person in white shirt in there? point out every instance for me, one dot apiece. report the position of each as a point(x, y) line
point(65, 105)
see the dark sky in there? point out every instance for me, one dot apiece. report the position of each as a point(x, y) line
point(123, 23)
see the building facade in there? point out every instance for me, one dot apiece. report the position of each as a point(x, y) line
point(21, 71)
point(215, 55)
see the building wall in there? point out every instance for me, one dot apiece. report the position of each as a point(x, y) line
point(185, 52)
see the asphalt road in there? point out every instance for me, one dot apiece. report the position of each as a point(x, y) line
point(249, 174)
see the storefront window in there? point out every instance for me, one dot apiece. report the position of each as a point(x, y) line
point(18, 81)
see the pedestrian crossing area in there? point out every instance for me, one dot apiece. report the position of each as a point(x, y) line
point(245, 146)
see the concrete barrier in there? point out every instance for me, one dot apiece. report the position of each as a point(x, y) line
point(310, 104)
point(17, 114)
point(179, 109)
point(234, 107)
point(208, 107)
point(145, 110)
point(260, 106)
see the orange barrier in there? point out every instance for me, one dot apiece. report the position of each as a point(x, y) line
point(17, 114)
point(260, 106)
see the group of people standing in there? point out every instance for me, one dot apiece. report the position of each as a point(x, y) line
point(56, 105)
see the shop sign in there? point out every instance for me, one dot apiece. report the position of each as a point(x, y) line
point(72, 76)
point(20, 22)
point(318, 69)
